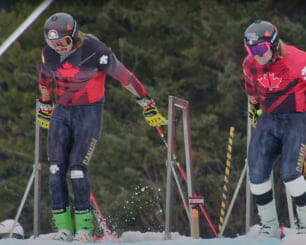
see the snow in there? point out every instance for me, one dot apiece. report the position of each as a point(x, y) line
point(157, 238)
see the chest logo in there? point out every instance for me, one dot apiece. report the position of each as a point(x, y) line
point(67, 70)
point(103, 60)
point(270, 81)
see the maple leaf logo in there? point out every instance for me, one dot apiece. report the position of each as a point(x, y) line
point(270, 81)
point(67, 70)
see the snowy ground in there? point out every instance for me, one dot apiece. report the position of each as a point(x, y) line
point(153, 238)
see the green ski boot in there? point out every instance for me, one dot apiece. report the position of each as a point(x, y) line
point(83, 227)
point(63, 224)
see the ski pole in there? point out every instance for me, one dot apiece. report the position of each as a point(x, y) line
point(161, 133)
point(21, 206)
point(184, 175)
point(225, 180)
point(101, 220)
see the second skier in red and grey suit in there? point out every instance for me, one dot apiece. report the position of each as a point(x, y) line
point(275, 81)
point(77, 65)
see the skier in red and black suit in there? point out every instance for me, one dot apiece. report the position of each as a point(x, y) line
point(275, 81)
point(77, 64)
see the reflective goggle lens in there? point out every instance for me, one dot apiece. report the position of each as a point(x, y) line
point(260, 49)
point(64, 42)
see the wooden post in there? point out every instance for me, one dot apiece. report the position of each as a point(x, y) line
point(195, 223)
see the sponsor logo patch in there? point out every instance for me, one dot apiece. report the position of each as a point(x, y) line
point(300, 163)
point(103, 60)
point(53, 169)
point(53, 34)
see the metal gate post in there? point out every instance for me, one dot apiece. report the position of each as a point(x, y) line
point(21, 29)
point(170, 162)
point(184, 105)
point(248, 191)
point(37, 180)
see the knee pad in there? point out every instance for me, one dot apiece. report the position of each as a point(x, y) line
point(56, 177)
point(78, 177)
point(58, 187)
point(81, 188)
point(77, 174)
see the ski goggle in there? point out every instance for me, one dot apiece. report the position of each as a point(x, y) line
point(260, 49)
point(63, 42)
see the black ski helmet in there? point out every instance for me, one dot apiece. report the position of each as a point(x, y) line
point(261, 31)
point(60, 25)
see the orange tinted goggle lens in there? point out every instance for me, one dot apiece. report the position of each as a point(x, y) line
point(64, 42)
